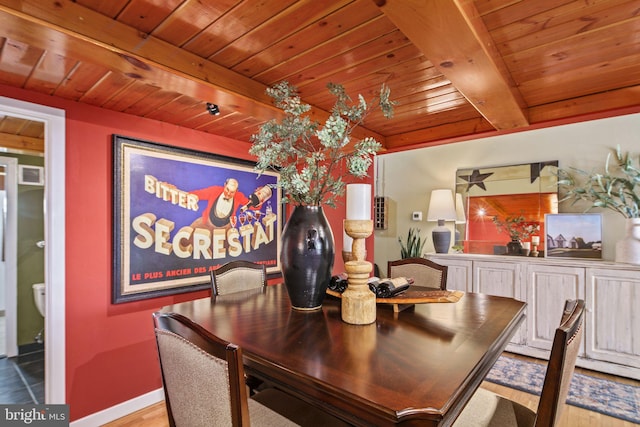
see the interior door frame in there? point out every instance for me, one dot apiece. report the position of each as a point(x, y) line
point(11, 253)
point(54, 236)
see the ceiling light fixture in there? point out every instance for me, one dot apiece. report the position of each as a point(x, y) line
point(213, 109)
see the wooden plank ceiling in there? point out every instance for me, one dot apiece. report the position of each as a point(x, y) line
point(456, 67)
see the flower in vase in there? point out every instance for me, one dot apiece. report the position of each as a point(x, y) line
point(517, 227)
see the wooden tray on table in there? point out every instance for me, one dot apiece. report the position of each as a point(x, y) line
point(414, 295)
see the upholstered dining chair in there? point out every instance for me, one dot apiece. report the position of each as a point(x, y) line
point(203, 379)
point(489, 409)
point(424, 272)
point(236, 276)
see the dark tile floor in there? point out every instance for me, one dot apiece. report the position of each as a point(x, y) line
point(22, 379)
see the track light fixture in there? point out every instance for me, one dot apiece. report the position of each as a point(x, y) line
point(213, 109)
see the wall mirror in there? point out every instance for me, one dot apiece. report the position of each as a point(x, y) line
point(529, 190)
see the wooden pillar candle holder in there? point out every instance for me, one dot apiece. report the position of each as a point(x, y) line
point(358, 302)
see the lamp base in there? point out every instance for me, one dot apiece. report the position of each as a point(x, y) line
point(441, 238)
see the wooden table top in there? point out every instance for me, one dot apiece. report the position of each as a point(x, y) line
point(416, 367)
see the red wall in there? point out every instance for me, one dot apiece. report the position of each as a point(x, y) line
point(111, 354)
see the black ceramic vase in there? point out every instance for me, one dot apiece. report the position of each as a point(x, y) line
point(514, 247)
point(307, 257)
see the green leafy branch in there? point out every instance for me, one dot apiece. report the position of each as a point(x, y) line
point(615, 189)
point(313, 159)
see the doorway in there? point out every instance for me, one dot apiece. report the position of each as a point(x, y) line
point(8, 255)
point(54, 207)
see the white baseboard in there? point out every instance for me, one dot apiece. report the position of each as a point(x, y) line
point(120, 410)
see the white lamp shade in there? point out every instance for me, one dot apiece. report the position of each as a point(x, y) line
point(461, 218)
point(441, 206)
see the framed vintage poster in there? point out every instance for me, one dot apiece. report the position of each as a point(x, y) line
point(178, 214)
point(573, 235)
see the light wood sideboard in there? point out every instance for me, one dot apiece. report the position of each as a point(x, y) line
point(611, 291)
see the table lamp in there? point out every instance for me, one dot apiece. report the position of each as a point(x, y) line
point(441, 209)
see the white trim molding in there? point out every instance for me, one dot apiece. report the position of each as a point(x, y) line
point(120, 410)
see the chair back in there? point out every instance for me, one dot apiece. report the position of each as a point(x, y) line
point(202, 375)
point(562, 362)
point(236, 276)
point(424, 272)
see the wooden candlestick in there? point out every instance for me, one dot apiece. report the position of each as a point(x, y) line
point(534, 251)
point(535, 242)
point(358, 302)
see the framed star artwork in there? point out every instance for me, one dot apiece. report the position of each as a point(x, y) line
point(524, 192)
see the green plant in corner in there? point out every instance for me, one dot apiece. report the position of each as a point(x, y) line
point(413, 246)
point(312, 158)
point(616, 188)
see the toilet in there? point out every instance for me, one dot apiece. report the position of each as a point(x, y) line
point(39, 297)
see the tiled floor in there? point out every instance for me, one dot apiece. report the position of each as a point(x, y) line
point(21, 377)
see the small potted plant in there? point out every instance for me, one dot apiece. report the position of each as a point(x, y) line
point(412, 247)
point(617, 188)
point(518, 228)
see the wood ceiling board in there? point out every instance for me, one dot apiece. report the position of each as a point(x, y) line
point(80, 79)
point(129, 95)
point(189, 19)
point(146, 15)
point(577, 52)
point(49, 73)
point(439, 134)
point(577, 83)
point(149, 103)
point(356, 21)
point(586, 105)
point(346, 47)
point(403, 78)
point(22, 143)
point(293, 19)
point(17, 60)
point(109, 8)
point(497, 14)
point(232, 25)
point(551, 27)
point(106, 88)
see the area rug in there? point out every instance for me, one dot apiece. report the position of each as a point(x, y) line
point(595, 394)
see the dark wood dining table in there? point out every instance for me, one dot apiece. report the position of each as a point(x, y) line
point(416, 367)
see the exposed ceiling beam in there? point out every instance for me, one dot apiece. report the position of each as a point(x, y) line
point(120, 48)
point(452, 36)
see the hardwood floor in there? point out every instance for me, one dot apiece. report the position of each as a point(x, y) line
point(151, 416)
point(572, 416)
